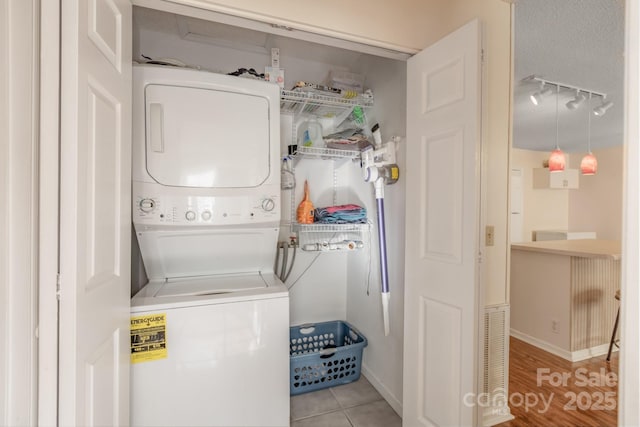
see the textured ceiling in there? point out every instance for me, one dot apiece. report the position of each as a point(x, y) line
point(579, 43)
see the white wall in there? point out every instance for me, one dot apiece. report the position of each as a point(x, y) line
point(397, 25)
point(543, 209)
point(18, 212)
point(318, 281)
point(382, 362)
point(540, 294)
point(159, 39)
point(597, 204)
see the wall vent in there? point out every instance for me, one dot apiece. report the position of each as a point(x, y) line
point(495, 397)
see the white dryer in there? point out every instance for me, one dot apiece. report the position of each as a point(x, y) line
point(210, 331)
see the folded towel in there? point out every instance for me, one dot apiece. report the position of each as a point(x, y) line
point(342, 214)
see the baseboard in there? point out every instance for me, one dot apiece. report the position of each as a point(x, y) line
point(588, 353)
point(382, 389)
point(497, 416)
point(571, 356)
point(548, 347)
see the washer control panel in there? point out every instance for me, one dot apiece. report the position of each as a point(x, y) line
point(202, 210)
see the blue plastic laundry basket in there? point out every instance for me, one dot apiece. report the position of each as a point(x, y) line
point(324, 355)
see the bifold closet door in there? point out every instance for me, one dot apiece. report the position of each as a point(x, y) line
point(95, 212)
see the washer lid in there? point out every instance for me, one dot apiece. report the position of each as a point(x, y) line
point(206, 137)
point(175, 253)
point(211, 285)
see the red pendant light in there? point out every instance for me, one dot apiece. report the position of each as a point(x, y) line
point(589, 163)
point(557, 159)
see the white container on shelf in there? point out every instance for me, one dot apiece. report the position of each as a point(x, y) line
point(310, 133)
point(346, 81)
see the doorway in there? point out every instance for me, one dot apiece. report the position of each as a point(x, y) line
point(558, 58)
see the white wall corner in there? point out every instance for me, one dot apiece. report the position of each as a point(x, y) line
point(393, 401)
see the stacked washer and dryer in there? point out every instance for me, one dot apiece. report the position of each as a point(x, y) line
point(206, 213)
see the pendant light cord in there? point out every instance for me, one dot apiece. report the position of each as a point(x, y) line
point(557, 96)
point(589, 125)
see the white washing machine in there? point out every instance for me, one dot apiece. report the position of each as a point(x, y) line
point(210, 331)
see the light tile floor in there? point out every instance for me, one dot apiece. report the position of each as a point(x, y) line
point(357, 404)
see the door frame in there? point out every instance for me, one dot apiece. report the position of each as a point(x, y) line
point(19, 211)
point(629, 362)
point(629, 371)
point(49, 212)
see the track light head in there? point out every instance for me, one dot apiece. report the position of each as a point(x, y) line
point(577, 101)
point(536, 98)
point(602, 109)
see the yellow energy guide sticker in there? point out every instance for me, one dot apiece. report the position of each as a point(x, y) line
point(148, 337)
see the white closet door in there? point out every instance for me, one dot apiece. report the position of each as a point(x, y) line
point(441, 270)
point(95, 219)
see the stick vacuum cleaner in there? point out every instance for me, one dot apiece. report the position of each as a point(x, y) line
point(380, 168)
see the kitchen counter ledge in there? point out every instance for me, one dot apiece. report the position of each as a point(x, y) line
point(586, 248)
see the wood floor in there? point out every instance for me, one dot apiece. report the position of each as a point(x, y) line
point(546, 390)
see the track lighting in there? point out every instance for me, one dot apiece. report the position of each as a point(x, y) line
point(557, 160)
point(577, 101)
point(536, 98)
point(581, 94)
point(602, 109)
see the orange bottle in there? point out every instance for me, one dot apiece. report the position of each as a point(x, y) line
point(304, 213)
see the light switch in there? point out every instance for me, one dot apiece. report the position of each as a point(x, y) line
point(489, 235)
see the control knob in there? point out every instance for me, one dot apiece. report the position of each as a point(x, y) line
point(190, 215)
point(206, 215)
point(268, 205)
point(147, 205)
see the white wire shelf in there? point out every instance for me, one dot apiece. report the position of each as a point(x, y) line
point(332, 237)
point(329, 228)
point(326, 153)
point(308, 102)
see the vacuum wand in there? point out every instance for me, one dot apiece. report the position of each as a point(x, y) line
point(382, 240)
point(380, 168)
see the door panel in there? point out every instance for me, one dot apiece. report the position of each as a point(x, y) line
point(443, 152)
point(441, 185)
point(95, 164)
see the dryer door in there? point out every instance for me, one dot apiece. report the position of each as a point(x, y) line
point(206, 138)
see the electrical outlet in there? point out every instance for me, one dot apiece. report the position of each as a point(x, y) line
point(555, 326)
point(489, 235)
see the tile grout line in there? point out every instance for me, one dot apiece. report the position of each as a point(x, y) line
point(341, 409)
point(319, 414)
point(348, 417)
point(336, 397)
